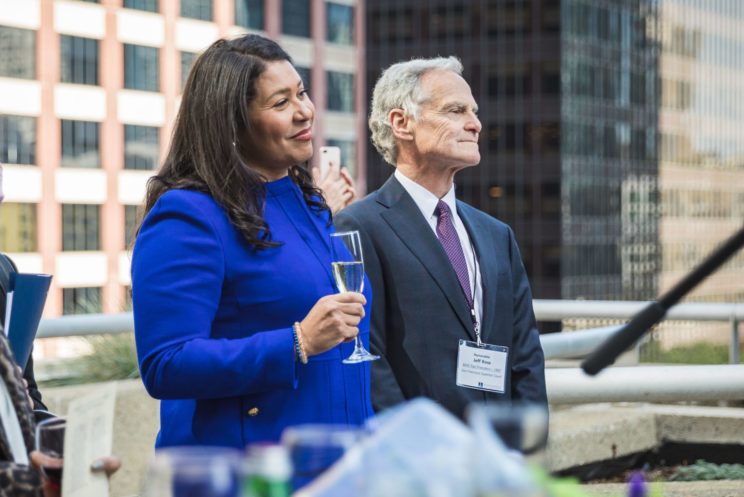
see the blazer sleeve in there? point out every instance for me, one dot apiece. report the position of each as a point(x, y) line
point(528, 366)
point(386, 391)
point(178, 270)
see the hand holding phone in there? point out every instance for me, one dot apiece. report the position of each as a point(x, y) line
point(329, 156)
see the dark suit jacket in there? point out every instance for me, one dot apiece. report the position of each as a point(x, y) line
point(419, 313)
point(6, 267)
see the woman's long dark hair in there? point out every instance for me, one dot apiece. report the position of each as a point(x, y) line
point(208, 150)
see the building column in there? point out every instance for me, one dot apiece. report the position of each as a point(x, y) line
point(112, 159)
point(48, 153)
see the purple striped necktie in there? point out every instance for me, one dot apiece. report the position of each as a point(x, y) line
point(451, 243)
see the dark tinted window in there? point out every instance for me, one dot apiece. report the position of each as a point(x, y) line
point(296, 17)
point(80, 144)
point(197, 9)
point(340, 23)
point(81, 227)
point(78, 60)
point(340, 91)
point(17, 53)
point(249, 13)
point(148, 5)
point(17, 139)
point(141, 68)
point(141, 147)
point(81, 300)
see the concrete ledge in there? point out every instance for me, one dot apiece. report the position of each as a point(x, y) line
point(579, 435)
point(583, 436)
point(720, 488)
point(136, 423)
point(603, 432)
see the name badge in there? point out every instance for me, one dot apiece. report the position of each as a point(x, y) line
point(481, 368)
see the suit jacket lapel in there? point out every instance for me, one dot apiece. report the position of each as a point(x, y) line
point(405, 220)
point(488, 263)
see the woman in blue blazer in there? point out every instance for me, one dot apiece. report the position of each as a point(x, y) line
point(240, 330)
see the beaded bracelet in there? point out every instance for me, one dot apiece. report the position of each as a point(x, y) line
point(299, 345)
point(297, 349)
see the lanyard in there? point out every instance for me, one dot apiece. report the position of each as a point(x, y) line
point(471, 301)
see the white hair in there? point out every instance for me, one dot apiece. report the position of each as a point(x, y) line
point(399, 87)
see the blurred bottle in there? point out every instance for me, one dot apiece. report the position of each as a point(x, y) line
point(267, 471)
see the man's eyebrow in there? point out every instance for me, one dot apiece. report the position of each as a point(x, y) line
point(460, 104)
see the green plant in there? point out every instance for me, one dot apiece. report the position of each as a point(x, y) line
point(703, 470)
point(695, 353)
point(112, 357)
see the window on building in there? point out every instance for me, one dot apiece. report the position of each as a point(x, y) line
point(148, 5)
point(81, 227)
point(78, 60)
point(130, 223)
point(249, 13)
point(17, 53)
point(197, 9)
point(18, 227)
point(305, 75)
point(296, 18)
point(340, 91)
point(340, 23)
point(348, 154)
point(187, 60)
point(141, 147)
point(141, 68)
point(81, 300)
point(17, 139)
point(80, 144)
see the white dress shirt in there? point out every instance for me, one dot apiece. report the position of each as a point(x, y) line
point(427, 204)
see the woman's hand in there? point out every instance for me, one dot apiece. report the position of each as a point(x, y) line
point(332, 320)
point(337, 187)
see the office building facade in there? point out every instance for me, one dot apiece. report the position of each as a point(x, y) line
point(88, 94)
point(568, 95)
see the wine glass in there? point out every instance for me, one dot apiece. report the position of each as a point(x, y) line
point(199, 471)
point(507, 432)
point(348, 271)
point(313, 448)
point(50, 441)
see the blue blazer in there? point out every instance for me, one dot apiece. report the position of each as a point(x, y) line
point(213, 322)
point(419, 314)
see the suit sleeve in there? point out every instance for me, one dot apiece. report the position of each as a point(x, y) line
point(528, 366)
point(178, 270)
point(386, 391)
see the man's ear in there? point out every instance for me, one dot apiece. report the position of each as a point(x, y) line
point(401, 124)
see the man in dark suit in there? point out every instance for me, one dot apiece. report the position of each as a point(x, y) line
point(452, 311)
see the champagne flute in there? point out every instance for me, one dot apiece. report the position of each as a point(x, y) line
point(50, 441)
point(348, 271)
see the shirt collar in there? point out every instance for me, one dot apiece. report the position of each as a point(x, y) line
point(424, 199)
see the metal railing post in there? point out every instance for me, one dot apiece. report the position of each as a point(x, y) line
point(734, 345)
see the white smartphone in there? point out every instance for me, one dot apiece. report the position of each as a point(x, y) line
point(328, 156)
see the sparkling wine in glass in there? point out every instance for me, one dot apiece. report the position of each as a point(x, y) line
point(348, 271)
point(50, 441)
